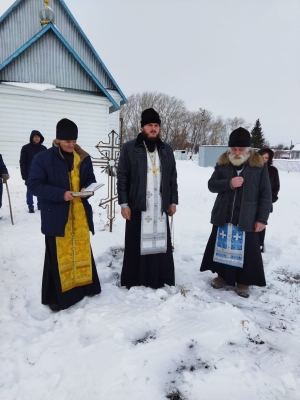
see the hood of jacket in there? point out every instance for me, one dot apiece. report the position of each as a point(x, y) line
point(254, 160)
point(34, 133)
point(270, 152)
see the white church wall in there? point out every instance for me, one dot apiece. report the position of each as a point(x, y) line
point(23, 110)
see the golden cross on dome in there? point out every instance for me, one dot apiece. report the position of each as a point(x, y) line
point(46, 3)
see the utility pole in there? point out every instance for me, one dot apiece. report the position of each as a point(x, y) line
point(196, 138)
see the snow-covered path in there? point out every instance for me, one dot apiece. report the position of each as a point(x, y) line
point(185, 342)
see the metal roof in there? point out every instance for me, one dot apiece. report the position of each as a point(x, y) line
point(43, 32)
point(296, 147)
point(18, 27)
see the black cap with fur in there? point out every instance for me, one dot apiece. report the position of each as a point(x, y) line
point(150, 116)
point(240, 137)
point(66, 130)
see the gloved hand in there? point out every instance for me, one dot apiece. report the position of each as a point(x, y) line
point(5, 177)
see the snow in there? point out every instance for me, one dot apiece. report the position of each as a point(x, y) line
point(186, 342)
point(41, 87)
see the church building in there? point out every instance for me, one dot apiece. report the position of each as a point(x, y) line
point(48, 71)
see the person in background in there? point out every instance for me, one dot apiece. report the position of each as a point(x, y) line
point(241, 210)
point(4, 176)
point(147, 194)
point(69, 268)
point(267, 155)
point(28, 151)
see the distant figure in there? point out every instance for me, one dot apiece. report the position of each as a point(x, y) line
point(27, 153)
point(69, 268)
point(147, 193)
point(267, 155)
point(3, 176)
point(241, 210)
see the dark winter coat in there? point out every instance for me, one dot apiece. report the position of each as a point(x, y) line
point(49, 180)
point(3, 169)
point(132, 175)
point(273, 174)
point(28, 152)
point(256, 192)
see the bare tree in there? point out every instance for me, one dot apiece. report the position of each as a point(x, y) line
point(180, 128)
point(170, 109)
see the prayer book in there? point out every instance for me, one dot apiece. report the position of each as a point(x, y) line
point(89, 191)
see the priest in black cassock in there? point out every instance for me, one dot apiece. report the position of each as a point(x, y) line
point(147, 194)
point(240, 212)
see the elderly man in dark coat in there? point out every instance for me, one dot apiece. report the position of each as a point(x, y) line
point(3, 176)
point(69, 268)
point(28, 151)
point(241, 210)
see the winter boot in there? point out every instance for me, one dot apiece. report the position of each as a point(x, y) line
point(243, 290)
point(218, 283)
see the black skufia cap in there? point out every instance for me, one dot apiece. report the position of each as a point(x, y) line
point(66, 130)
point(240, 137)
point(150, 116)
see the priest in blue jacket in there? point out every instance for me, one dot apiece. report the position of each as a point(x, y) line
point(69, 269)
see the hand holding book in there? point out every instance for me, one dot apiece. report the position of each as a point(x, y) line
point(89, 191)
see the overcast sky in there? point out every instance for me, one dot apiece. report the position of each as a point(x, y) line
point(232, 57)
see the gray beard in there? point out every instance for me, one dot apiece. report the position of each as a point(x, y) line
point(238, 161)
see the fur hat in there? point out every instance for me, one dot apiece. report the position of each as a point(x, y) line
point(150, 116)
point(240, 137)
point(66, 130)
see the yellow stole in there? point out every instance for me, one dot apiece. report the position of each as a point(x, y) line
point(73, 250)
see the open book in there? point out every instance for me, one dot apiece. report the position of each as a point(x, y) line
point(89, 191)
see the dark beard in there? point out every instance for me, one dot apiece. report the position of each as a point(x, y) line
point(151, 139)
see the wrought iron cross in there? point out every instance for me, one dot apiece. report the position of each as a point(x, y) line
point(108, 162)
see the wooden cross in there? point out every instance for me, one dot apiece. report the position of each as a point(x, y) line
point(155, 171)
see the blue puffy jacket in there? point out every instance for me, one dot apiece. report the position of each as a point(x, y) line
point(49, 180)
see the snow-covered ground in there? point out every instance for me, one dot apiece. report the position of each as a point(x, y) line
point(185, 342)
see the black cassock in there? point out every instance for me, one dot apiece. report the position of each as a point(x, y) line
point(252, 272)
point(153, 270)
point(51, 286)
